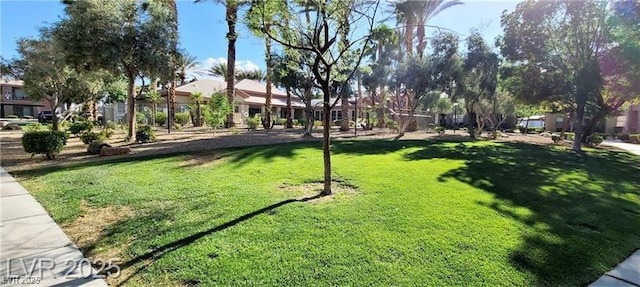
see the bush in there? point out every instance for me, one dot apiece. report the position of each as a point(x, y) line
point(556, 138)
point(182, 118)
point(161, 118)
point(253, 122)
point(95, 147)
point(90, 137)
point(595, 139)
point(141, 119)
point(281, 121)
point(634, 138)
point(439, 130)
point(49, 143)
point(111, 125)
point(80, 127)
point(570, 136)
point(145, 134)
point(107, 132)
point(34, 127)
point(623, 137)
point(12, 116)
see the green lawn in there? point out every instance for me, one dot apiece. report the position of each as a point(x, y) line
point(411, 213)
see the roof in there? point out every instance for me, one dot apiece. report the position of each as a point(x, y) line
point(205, 86)
point(19, 83)
point(274, 102)
point(253, 86)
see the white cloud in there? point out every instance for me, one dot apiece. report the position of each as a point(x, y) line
point(245, 65)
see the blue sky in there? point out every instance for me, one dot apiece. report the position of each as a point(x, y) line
point(203, 29)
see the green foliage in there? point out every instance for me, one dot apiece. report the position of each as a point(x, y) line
point(49, 143)
point(89, 137)
point(141, 118)
point(254, 122)
point(215, 113)
point(595, 139)
point(570, 136)
point(439, 130)
point(182, 118)
point(80, 127)
point(107, 132)
point(161, 118)
point(95, 147)
point(145, 134)
point(634, 138)
point(556, 138)
point(111, 125)
point(34, 127)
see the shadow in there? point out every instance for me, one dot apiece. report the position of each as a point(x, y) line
point(157, 253)
point(581, 208)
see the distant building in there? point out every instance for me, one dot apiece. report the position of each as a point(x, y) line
point(15, 102)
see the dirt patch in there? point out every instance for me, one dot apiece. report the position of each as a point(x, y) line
point(201, 160)
point(309, 191)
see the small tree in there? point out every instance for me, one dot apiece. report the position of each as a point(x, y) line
point(197, 118)
point(217, 110)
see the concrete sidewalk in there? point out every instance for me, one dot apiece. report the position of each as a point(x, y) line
point(33, 248)
point(626, 274)
point(632, 148)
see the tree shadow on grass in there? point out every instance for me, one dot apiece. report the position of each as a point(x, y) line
point(584, 215)
point(146, 259)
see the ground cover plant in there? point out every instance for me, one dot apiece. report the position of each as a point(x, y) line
point(404, 213)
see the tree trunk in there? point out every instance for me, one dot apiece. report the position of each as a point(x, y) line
point(231, 17)
point(171, 113)
point(577, 143)
point(309, 122)
point(153, 114)
point(132, 106)
point(422, 44)
point(53, 103)
point(344, 110)
point(267, 104)
point(289, 123)
point(198, 115)
point(593, 124)
point(326, 119)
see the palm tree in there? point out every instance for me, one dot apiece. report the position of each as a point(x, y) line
point(256, 75)
point(187, 66)
point(154, 98)
point(218, 70)
point(424, 12)
point(197, 98)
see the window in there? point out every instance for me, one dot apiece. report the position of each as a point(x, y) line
point(254, 111)
point(236, 109)
point(18, 94)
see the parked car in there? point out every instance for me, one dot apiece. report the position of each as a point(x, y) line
point(45, 117)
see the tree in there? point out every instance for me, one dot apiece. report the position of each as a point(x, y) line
point(11, 69)
point(197, 119)
point(231, 16)
point(187, 66)
point(381, 53)
point(321, 39)
point(136, 38)
point(48, 76)
point(216, 111)
point(220, 70)
point(554, 47)
point(479, 80)
point(154, 98)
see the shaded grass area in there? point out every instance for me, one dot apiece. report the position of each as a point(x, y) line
point(423, 213)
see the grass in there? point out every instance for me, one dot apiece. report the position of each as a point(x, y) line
point(407, 213)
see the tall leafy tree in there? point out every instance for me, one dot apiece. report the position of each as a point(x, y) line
point(479, 80)
point(321, 39)
point(122, 36)
point(554, 47)
point(48, 76)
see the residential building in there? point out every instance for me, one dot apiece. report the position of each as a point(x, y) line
point(15, 102)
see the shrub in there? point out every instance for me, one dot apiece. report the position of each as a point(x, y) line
point(439, 130)
point(623, 137)
point(141, 119)
point(570, 136)
point(556, 138)
point(80, 127)
point(111, 125)
point(49, 143)
point(107, 132)
point(634, 138)
point(182, 118)
point(95, 147)
point(12, 116)
point(145, 134)
point(90, 137)
point(281, 121)
point(161, 118)
point(253, 122)
point(595, 139)
point(34, 127)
